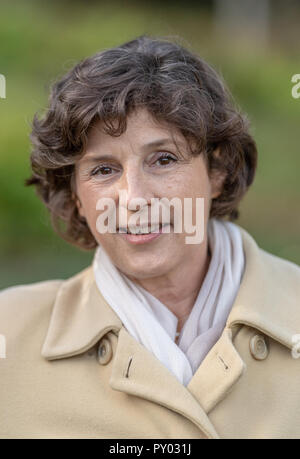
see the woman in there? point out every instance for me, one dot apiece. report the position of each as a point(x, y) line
point(162, 336)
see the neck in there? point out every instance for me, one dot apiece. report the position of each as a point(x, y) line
point(179, 288)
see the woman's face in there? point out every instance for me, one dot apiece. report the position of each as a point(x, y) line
point(145, 162)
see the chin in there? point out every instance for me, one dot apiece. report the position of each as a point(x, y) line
point(144, 269)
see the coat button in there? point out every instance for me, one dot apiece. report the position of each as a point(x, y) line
point(104, 351)
point(258, 347)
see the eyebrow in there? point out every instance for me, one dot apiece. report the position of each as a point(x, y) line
point(92, 158)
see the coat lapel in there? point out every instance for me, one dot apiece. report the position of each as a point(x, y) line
point(138, 372)
point(80, 318)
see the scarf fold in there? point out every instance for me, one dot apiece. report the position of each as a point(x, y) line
point(152, 324)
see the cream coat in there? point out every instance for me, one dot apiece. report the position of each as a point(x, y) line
point(73, 371)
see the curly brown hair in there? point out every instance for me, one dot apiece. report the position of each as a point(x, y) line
point(175, 85)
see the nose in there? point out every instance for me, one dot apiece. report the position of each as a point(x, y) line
point(135, 191)
point(136, 184)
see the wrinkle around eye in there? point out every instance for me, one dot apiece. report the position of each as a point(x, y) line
point(96, 172)
point(168, 157)
point(98, 169)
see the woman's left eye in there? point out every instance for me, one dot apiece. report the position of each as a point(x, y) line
point(102, 170)
point(165, 160)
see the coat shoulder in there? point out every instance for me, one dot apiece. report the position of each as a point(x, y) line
point(285, 270)
point(280, 298)
point(22, 301)
point(279, 271)
point(22, 304)
point(26, 310)
point(269, 295)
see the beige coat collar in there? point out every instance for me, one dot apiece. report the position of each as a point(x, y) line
point(268, 298)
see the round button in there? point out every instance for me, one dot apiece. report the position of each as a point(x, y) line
point(104, 351)
point(258, 347)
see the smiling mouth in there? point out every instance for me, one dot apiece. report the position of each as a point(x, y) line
point(145, 230)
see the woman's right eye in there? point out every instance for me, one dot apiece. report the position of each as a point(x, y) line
point(101, 170)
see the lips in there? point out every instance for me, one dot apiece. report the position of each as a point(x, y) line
point(137, 231)
point(142, 238)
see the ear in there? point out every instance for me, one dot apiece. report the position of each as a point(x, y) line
point(78, 205)
point(217, 177)
point(217, 182)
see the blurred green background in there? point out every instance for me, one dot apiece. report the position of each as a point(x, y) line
point(257, 50)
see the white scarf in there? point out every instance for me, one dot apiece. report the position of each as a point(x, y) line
point(152, 324)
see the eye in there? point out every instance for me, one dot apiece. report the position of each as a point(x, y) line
point(165, 159)
point(102, 170)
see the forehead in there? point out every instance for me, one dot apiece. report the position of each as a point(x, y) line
point(142, 129)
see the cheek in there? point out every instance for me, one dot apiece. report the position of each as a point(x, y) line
point(197, 186)
point(89, 201)
point(89, 196)
point(200, 183)
point(90, 193)
point(190, 183)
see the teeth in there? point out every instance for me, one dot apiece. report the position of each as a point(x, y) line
point(141, 230)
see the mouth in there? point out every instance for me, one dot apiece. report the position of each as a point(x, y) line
point(138, 231)
point(148, 235)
